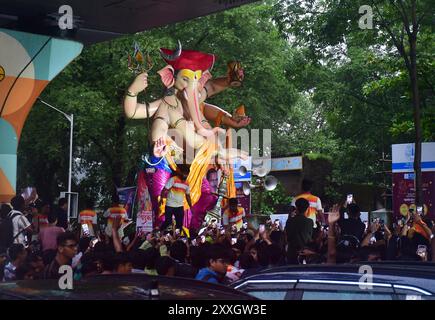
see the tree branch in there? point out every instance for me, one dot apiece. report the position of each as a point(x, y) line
point(399, 45)
point(405, 19)
point(102, 150)
point(414, 19)
point(421, 18)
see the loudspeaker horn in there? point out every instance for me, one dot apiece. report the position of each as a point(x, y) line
point(270, 183)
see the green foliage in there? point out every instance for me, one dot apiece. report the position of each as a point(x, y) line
point(358, 78)
point(266, 202)
point(107, 146)
point(324, 87)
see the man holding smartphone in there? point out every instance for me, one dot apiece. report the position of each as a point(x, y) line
point(88, 218)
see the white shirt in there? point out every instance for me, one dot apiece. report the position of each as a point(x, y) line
point(177, 190)
point(19, 223)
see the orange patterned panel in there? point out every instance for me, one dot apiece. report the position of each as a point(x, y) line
point(21, 110)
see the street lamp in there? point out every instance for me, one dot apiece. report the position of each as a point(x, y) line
point(70, 118)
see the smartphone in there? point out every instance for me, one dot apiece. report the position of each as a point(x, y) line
point(262, 228)
point(277, 223)
point(85, 229)
point(233, 241)
point(94, 242)
point(349, 198)
point(202, 230)
point(422, 251)
point(366, 223)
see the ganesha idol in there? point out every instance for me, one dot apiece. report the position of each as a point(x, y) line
point(181, 122)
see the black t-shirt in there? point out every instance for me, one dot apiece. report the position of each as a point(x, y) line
point(299, 231)
point(51, 271)
point(354, 227)
point(62, 218)
point(185, 270)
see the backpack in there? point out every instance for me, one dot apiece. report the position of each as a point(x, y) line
point(7, 236)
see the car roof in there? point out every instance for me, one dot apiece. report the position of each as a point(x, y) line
point(120, 287)
point(416, 269)
point(420, 275)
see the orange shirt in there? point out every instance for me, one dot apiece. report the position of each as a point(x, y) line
point(88, 217)
point(114, 213)
point(230, 217)
point(315, 204)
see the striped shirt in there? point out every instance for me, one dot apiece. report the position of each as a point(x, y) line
point(41, 221)
point(88, 217)
point(315, 204)
point(177, 190)
point(19, 223)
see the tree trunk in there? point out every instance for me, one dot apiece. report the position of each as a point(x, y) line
point(416, 105)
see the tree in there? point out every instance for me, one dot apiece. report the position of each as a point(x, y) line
point(402, 32)
point(107, 146)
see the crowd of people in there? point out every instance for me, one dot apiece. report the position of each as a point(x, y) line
point(36, 241)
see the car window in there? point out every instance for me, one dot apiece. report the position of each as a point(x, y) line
point(343, 295)
point(269, 294)
point(343, 290)
point(412, 293)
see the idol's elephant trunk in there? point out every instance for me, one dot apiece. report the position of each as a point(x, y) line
point(191, 97)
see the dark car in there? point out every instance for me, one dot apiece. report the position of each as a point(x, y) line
point(121, 287)
point(388, 281)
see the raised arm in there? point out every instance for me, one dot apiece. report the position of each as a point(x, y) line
point(132, 108)
point(233, 79)
point(333, 217)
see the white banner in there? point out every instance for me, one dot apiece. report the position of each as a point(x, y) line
point(403, 157)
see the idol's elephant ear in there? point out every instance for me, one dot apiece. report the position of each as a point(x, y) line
point(167, 76)
point(204, 78)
